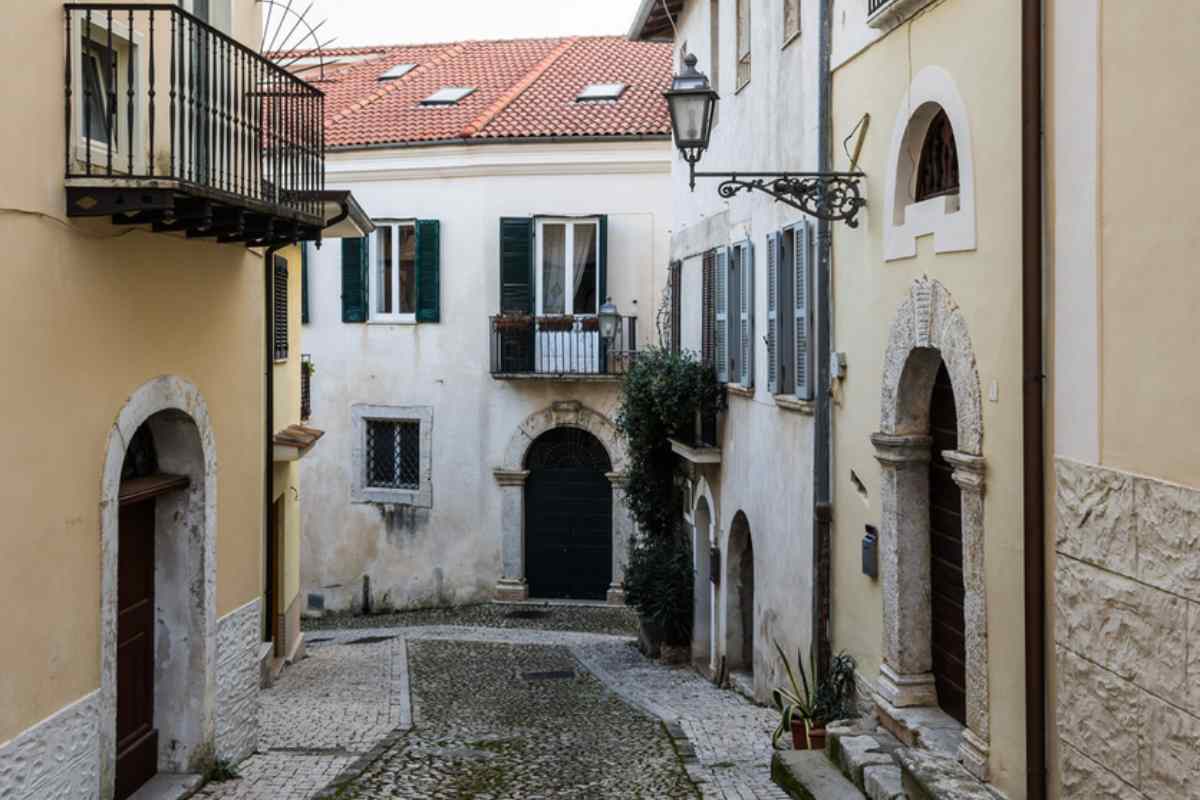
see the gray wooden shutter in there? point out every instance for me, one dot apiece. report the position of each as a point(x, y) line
point(801, 302)
point(354, 280)
point(721, 297)
point(429, 269)
point(516, 265)
point(773, 313)
point(602, 261)
point(746, 314)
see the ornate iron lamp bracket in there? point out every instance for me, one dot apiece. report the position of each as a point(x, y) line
point(831, 196)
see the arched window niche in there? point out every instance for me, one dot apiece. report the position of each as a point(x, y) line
point(931, 178)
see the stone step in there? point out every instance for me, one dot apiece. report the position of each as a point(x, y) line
point(930, 776)
point(809, 775)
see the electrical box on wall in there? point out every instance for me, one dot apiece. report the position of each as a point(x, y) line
point(870, 553)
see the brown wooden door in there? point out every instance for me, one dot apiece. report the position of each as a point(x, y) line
point(137, 740)
point(945, 532)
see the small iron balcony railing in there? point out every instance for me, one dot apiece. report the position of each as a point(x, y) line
point(153, 93)
point(560, 346)
point(306, 371)
point(875, 5)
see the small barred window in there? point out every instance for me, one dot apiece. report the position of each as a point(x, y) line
point(394, 454)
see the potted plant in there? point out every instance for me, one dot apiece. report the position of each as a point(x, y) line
point(556, 324)
point(807, 707)
point(506, 323)
point(589, 324)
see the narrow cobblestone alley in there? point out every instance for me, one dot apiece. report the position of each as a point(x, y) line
point(446, 711)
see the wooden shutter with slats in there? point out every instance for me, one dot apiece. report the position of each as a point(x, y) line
point(676, 290)
point(773, 312)
point(280, 305)
point(746, 314)
point(801, 316)
point(516, 265)
point(304, 282)
point(721, 315)
point(429, 269)
point(708, 329)
point(354, 280)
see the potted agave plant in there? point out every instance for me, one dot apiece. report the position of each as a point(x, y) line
point(807, 707)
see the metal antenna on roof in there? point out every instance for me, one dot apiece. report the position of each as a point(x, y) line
point(290, 39)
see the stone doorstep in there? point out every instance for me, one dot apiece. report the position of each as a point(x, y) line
point(809, 775)
point(931, 776)
point(926, 727)
point(166, 786)
point(742, 682)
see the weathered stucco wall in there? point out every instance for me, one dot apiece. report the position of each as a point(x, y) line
point(94, 312)
point(450, 553)
point(974, 43)
point(766, 469)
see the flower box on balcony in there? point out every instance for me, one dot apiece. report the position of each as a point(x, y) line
point(556, 324)
point(514, 323)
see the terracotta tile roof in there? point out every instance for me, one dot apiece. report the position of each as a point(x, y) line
point(524, 88)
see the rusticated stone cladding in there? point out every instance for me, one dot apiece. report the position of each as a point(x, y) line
point(1127, 630)
point(57, 758)
point(237, 683)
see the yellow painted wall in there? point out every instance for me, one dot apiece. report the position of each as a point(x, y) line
point(1149, 304)
point(979, 44)
point(287, 412)
point(86, 319)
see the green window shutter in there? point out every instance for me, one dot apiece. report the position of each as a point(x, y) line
point(354, 280)
point(304, 282)
point(429, 259)
point(602, 266)
point(772, 312)
point(516, 265)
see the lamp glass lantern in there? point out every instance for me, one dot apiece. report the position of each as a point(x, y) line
point(693, 103)
point(609, 317)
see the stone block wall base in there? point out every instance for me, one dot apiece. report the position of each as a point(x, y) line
point(616, 595)
point(903, 691)
point(508, 590)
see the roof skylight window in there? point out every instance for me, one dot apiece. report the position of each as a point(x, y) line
point(397, 72)
point(601, 91)
point(447, 96)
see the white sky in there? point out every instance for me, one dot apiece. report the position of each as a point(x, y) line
point(359, 22)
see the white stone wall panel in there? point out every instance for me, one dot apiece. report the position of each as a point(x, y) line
point(238, 683)
point(57, 758)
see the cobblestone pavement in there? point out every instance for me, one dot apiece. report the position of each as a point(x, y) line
point(482, 731)
point(549, 616)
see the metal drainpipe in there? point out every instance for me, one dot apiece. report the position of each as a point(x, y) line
point(822, 492)
point(1033, 399)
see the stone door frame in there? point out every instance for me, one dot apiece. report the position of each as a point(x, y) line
point(510, 477)
point(190, 520)
point(928, 329)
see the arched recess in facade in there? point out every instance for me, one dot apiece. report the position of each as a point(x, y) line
point(740, 616)
point(185, 691)
point(511, 476)
point(929, 329)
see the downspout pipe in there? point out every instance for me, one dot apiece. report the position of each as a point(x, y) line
point(822, 440)
point(1033, 395)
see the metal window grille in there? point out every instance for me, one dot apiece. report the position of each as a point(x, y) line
point(281, 309)
point(394, 454)
point(305, 387)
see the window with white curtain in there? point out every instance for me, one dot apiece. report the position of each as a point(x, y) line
point(394, 272)
point(568, 279)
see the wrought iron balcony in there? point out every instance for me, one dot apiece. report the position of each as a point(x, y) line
point(875, 5)
point(567, 348)
point(306, 371)
point(887, 13)
point(172, 123)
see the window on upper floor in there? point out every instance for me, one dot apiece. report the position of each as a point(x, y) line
point(280, 305)
point(791, 20)
point(789, 311)
point(394, 272)
point(743, 43)
point(393, 275)
point(937, 171)
point(106, 68)
point(568, 279)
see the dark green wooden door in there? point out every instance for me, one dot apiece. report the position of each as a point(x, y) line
point(568, 517)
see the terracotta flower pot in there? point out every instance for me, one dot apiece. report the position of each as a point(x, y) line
point(799, 737)
point(816, 738)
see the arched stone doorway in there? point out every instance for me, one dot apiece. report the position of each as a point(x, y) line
point(568, 516)
point(739, 599)
point(158, 626)
point(513, 474)
point(927, 338)
point(704, 640)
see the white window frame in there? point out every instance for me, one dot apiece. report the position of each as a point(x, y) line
point(360, 491)
point(125, 44)
point(569, 279)
point(395, 318)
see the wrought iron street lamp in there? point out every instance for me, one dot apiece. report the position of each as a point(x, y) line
point(609, 319)
point(692, 101)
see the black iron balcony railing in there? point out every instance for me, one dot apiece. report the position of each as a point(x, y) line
point(875, 5)
point(306, 371)
point(526, 346)
point(160, 102)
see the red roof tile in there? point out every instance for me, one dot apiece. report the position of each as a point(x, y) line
point(524, 88)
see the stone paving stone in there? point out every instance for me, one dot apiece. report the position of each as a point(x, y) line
point(616, 620)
